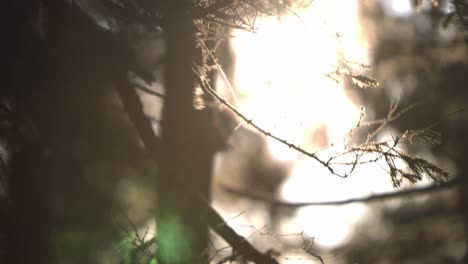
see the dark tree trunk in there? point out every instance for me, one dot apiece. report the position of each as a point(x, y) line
point(66, 74)
point(24, 86)
point(187, 158)
point(57, 82)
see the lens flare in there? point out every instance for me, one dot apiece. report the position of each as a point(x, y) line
point(282, 84)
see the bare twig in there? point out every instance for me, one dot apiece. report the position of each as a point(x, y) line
point(308, 246)
point(148, 90)
point(391, 118)
point(366, 199)
point(306, 241)
point(445, 117)
point(207, 87)
point(230, 258)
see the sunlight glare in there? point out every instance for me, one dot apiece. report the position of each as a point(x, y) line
point(280, 73)
point(399, 8)
point(282, 85)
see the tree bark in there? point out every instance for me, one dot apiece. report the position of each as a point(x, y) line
point(186, 146)
point(23, 85)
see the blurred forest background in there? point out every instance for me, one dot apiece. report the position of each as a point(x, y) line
point(93, 197)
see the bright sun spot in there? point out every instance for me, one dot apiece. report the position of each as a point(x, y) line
point(281, 84)
point(280, 73)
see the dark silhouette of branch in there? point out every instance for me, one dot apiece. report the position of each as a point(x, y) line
point(148, 90)
point(134, 108)
point(306, 241)
point(214, 220)
point(152, 143)
point(371, 198)
point(142, 243)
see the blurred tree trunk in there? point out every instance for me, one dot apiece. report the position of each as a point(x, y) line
point(182, 234)
point(58, 82)
point(24, 85)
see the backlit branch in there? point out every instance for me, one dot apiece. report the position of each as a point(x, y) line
point(249, 121)
point(386, 151)
point(367, 199)
point(306, 241)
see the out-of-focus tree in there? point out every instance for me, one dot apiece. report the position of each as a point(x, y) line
point(78, 127)
point(420, 56)
point(66, 92)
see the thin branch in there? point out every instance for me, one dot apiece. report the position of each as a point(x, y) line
point(237, 216)
point(134, 108)
point(220, 69)
point(394, 117)
point(390, 117)
point(366, 199)
point(307, 248)
point(153, 144)
point(148, 90)
point(444, 118)
point(207, 87)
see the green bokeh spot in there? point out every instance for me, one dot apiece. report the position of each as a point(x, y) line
point(125, 248)
point(174, 240)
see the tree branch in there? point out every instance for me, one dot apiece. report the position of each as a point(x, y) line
point(149, 90)
point(366, 199)
point(134, 108)
point(207, 87)
point(152, 143)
